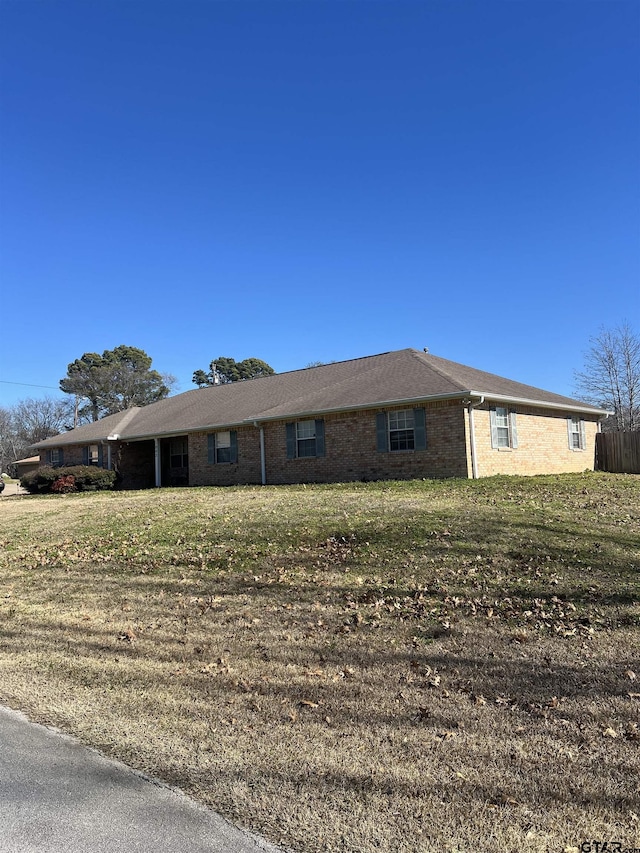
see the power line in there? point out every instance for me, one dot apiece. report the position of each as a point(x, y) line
point(28, 384)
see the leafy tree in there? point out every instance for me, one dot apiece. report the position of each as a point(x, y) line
point(224, 370)
point(611, 375)
point(114, 381)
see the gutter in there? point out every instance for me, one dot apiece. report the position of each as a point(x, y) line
point(377, 404)
point(434, 398)
point(539, 404)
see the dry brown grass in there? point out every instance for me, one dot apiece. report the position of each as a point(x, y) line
point(403, 667)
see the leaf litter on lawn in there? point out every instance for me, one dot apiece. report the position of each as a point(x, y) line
point(402, 666)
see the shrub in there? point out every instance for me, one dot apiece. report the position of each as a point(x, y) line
point(86, 478)
point(65, 484)
point(40, 480)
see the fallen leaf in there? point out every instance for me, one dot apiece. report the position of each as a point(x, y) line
point(127, 636)
point(630, 674)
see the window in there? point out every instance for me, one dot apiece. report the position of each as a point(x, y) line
point(55, 457)
point(305, 439)
point(222, 447)
point(94, 455)
point(577, 439)
point(179, 453)
point(402, 430)
point(503, 428)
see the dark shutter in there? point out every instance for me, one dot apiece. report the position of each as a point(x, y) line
point(494, 426)
point(291, 441)
point(381, 432)
point(85, 455)
point(60, 458)
point(513, 432)
point(211, 448)
point(100, 455)
point(234, 446)
point(319, 437)
point(419, 429)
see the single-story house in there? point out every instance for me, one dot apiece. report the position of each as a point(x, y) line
point(23, 466)
point(398, 415)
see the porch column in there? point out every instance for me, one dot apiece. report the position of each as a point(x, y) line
point(158, 467)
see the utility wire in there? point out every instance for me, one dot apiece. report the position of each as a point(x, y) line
point(28, 384)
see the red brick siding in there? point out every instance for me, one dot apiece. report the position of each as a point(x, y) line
point(246, 470)
point(351, 454)
point(351, 450)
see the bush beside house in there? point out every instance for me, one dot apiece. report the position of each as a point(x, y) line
point(78, 478)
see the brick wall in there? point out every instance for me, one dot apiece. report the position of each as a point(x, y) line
point(351, 451)
point(71, 455)
point(245, 470)
point(543, 444)
point(351, 454)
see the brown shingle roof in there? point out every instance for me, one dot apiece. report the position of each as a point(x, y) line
point(393, 377)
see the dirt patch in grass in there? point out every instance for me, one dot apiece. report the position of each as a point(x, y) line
point(391, 666)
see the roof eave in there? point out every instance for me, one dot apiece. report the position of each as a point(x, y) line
point(377, 404)
point(543, 404)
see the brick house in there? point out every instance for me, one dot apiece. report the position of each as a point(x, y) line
point(398, 415)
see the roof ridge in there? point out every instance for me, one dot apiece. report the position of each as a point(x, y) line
point(129, 415)
point(425, 358)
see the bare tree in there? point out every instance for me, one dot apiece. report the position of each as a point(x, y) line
point(8, 442)
point(611, 375)
point(30, 421)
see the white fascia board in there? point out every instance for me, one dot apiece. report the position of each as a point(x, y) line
point(541, 404)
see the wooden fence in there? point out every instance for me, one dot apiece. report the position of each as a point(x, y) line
point(618, 452)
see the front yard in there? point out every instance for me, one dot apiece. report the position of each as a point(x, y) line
point(425, 666)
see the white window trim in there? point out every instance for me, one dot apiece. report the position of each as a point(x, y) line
point(511, 426)
point(580, 432)
point(304, 437)
point(408, 416)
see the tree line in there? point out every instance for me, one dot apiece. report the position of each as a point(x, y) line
point(101, 384)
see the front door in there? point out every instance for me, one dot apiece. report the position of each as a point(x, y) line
point(175, 461)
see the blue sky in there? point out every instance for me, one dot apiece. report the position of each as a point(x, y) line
point(316, 181)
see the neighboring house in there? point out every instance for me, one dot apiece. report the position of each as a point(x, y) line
point(398, 415)
point(23, 466)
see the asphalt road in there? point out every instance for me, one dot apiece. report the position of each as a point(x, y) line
point(57, 796)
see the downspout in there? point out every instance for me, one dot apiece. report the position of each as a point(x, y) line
point(157, 464)
point(263, 459)
point(472, 436)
